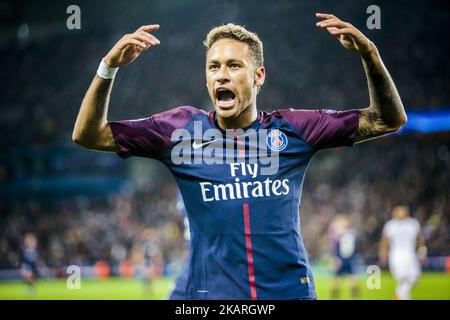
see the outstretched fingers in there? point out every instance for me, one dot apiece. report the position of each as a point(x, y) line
point(348, 35)
point(131, 41)
point(333, 22)
point(338, 32)
point(148, 28)
point(334, 25)
point(147, 37)
point(139, 38)
point(322, 15)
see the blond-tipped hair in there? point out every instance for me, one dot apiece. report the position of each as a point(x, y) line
point(239, 33)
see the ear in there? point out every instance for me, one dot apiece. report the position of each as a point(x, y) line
point(260, 76)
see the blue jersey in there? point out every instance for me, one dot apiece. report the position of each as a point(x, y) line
point(344, 249)
point(244, 220)
point(345, 244)
point(30, 257)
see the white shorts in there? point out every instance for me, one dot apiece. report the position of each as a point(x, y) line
point(404, 267)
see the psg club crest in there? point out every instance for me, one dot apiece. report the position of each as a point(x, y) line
point(277, 140)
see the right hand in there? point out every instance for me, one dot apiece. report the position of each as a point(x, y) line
point(130, 46)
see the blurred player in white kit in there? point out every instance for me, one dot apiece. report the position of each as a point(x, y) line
point(403, 246)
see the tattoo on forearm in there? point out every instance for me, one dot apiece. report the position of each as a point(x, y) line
point(367, 128)
point(386, 109)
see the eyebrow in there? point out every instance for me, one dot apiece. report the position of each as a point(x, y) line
point(228, 61)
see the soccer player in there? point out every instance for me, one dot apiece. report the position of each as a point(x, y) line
point(179, 287)
point(148, 259)
point(29, 262)
point(243, 213)
point(343, 239)
point(403, 245)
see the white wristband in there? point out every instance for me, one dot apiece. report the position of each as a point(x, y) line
point(106, 72)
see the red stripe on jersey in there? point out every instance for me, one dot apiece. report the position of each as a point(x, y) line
point(240, 145)
point(248, 246)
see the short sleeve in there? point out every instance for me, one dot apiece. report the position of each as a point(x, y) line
point(324, 128)
point(416, 226)
point(149, 137)
point(387, 229)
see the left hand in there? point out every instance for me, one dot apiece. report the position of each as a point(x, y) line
point(351, 38)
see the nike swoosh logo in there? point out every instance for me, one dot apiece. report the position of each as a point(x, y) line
point(196, 145)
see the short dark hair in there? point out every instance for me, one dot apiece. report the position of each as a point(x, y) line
point(238, 33)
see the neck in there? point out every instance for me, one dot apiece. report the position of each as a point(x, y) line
point(243, 120)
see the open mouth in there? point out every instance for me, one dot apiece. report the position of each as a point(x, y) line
point(225, 98)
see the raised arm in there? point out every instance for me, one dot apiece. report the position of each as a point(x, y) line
point(91, 129)
point(385, 113)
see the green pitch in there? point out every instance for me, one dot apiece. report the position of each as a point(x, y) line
point(431, 286)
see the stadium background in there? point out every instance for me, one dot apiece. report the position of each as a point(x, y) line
point(97, 211)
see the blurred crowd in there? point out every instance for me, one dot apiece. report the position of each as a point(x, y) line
point(83, 230)
point(367, 181)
